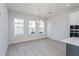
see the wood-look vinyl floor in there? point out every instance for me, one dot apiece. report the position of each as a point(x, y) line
point(41, 47)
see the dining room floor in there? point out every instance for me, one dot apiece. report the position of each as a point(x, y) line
point(40, 47)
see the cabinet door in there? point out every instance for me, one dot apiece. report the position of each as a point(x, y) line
point(72, 50)
point(74, 18)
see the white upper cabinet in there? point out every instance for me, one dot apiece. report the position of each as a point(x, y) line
point(3, 29)
point(74, 18)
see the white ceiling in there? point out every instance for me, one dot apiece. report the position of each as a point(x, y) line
point(45, 10)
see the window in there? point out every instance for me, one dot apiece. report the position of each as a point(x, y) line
point(41, 27)
point(32, 25)
point(18, 26)
point(36, 27)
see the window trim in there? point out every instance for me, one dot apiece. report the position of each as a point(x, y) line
point(18, 27)
point(37, 27)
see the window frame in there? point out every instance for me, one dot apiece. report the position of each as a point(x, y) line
point(32, 27)
point(41, 26)
point(38, 30)
point(20, 29)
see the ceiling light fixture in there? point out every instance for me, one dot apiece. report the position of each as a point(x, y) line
point(68, 5)
point(50, 12)
point(38, 9)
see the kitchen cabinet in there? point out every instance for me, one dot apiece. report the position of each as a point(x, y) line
point(3, 29)
point(74, 18)
point(72, 50)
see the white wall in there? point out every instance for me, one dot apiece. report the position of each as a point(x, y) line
point(58, 27)
point(3, 29)
point(26, 36)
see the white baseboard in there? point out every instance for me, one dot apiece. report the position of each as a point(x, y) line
point(26, 39)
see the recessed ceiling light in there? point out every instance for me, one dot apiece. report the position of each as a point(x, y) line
point(38, 9)
point(50, 12)
point(68, 5)
point(0, 13)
